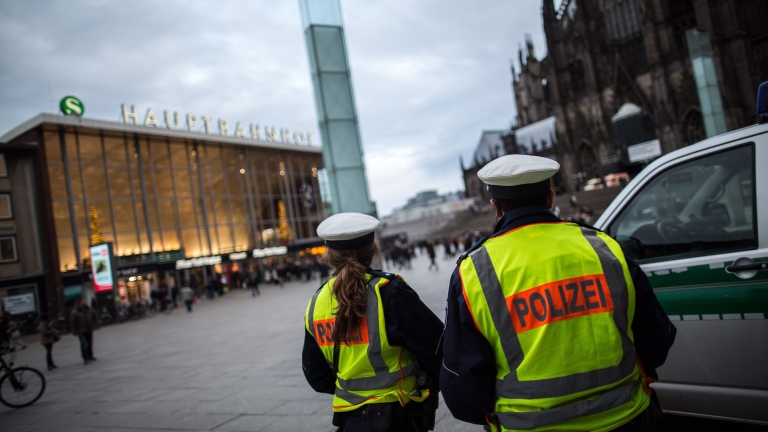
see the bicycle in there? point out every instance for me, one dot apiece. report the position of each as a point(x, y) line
point(21, 386)
point(151, 308)
point(166, 305)
point(122, 313)
point(104, 317)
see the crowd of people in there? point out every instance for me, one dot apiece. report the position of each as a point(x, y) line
point(217, 285)
point(398, 255)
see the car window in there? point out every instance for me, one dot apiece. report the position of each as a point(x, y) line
point(699, 207)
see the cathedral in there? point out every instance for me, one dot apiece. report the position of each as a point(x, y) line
point(623, 82)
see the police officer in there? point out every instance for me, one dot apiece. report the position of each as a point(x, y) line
point(369, 339)
point(549, 326)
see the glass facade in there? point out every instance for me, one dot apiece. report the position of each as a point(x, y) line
point(162, 198)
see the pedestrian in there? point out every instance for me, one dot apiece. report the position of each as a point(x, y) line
point(253, 283)
point(175, 295)
point(48, 336)
point(5, 337)
point(223, 284)
point(83, 323)
point(210, 286)
point(6, 331)
point(447, 253)
point(346, 340)
point(573, 202)
point(188, 296)
point(431, 253)
point(549, 325)
point(14, 333)
point(162, 294)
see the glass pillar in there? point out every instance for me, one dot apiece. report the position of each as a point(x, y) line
point(335, 105)
point(705, 75)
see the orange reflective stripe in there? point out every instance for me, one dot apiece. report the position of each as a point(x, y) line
point(647, 381)
point(355, 399)
point(466, 300)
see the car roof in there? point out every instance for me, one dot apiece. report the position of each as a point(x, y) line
point(679, 153)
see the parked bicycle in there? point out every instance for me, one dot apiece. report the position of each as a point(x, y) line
point(20, 386)
point(164, 305)
point(139, 310)
point(134, 311)
point(123, 312)
point(104, 316)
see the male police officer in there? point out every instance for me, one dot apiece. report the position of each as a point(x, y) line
point(549, 326)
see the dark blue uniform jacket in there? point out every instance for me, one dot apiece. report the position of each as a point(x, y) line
point(409, 323)
point(468, 376)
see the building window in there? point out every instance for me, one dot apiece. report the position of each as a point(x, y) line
point(622, 20)
point(3, 167)
point(6, 212)
point(8, 250)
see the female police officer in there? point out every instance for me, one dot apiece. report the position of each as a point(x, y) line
point(369, 339)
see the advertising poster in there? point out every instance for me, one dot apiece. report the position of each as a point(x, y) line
point(20, 304)
point(101, 265)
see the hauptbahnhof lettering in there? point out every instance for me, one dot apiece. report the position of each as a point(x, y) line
point(271, 133)
point(160, 195)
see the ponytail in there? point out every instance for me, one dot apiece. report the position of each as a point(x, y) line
point(350, 287)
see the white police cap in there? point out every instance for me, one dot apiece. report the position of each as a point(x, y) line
point(348, 230)
point(518, 176)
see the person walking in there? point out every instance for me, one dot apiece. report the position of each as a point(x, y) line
point(187, 295)
point(431, 253)
point(210, 287)
point(48, 337)
point(253, 283)
point(5, 337)
point(14, 333)
point(9, 333)
point(83, 323)
point(549, 325)
point(175, 295)
point(346, 339)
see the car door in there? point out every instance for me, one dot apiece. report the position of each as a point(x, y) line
point(697, 227)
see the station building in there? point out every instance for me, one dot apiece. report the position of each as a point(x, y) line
point(176, 205)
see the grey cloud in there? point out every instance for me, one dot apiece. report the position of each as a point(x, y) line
point(429, 76)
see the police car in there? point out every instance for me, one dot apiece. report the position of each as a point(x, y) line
point(696, 220)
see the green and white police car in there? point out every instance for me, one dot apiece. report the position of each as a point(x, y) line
point(696, 220)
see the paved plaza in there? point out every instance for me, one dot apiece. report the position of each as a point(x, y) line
point(234, 364)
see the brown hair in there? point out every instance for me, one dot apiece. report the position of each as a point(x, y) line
point(350, 287)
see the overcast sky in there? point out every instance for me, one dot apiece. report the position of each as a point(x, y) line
point(428, 75)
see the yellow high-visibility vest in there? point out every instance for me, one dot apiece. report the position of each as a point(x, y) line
point(556, 303)
point(370, 369)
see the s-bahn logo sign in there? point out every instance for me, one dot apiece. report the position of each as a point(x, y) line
point(71, 105)
point(252, 131)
